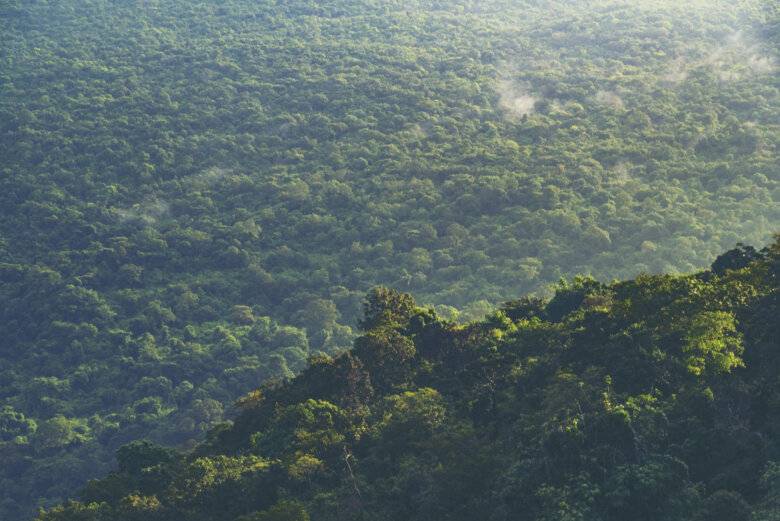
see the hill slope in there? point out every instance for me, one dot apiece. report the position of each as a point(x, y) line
point(196, 195)
point(654, 398)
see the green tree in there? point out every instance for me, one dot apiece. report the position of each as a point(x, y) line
point(282, 511)
point(384, 307)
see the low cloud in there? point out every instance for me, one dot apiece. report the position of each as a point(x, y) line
point(208, 177)
point(150, 211)
point(737, 56)
point(608, 98)
point(516, 101)
point(677, 71)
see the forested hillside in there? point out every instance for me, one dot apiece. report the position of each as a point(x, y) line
point(651, 399)
point(196, 195)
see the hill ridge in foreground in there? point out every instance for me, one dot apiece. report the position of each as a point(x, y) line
point(647, 399)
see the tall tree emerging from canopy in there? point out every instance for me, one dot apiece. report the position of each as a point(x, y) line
point(385, 307)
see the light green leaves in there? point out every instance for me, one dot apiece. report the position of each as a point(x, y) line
point(713, 343)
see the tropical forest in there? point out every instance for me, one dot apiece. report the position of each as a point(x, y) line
point(389, 260)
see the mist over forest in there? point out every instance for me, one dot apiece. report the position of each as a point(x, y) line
point(198, 196)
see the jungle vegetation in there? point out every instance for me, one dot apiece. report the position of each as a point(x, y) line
point(648, 399)
point(196, 195)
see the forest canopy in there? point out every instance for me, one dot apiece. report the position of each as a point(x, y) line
point(647, 399)
point(197, 195)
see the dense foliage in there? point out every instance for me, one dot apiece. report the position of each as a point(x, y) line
point(197, 194)
point(654, 398)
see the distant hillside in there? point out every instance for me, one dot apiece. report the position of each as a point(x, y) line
point(648, 399)
point(196, 196)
